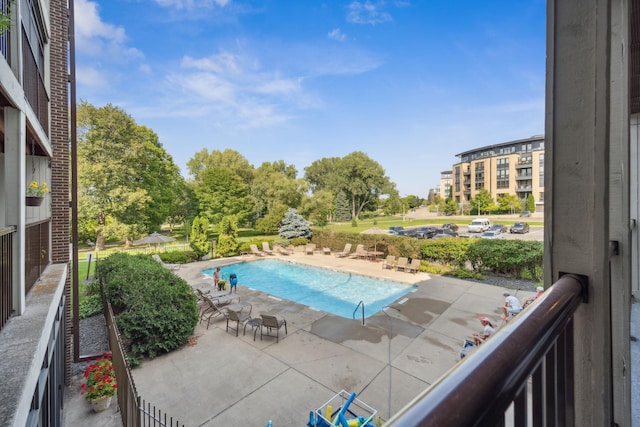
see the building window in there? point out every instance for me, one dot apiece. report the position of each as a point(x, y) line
point(541, 197)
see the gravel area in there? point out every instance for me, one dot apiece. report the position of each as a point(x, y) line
point(93, 340)
point(508, 282)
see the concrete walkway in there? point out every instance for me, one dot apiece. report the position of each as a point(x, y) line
point(223, 380)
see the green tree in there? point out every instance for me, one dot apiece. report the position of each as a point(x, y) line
point(294, 225)
point(509, 202)
point(127, 183)
point(361, 179)
point(319, 207)
point(222, 193)
point(230, 160)
point(227, 236)
point(343, 209)
point(198, 239)
point(451, 207)
point(276, 187)
point(531, 203)
point(482, 201)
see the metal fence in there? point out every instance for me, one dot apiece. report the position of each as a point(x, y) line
point(134, 411)
point(6, 274)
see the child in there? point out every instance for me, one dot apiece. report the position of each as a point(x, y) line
point(233, 281)
point(486, 333)
point(216, 278)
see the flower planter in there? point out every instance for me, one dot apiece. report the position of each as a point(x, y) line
point(34, 200)
point(100, 404)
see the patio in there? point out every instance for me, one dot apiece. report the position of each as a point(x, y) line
point(222, 379)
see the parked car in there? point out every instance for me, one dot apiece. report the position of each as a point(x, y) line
point(425, 232)
point(479, 225)
point(446, 232)
point(410, 232)
point(443, 236)
point(400, 232)
point(395, 228)
point(450, 226)
point(499, 227)
point(491, 234)
point(519, 228)
point(525, 213)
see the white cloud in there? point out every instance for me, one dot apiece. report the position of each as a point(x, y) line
point(89, 76)
point(367, 13)
point(336, 34)
point(192, 4)
point(98, 38)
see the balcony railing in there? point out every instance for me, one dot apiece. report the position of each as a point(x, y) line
point(524, 176)
point(37, 252)
point(6, 274)
point(523, 375)
point(33, 84)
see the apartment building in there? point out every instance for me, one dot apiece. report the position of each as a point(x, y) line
point(444, 189)
point(515, 167)
point(34, 225)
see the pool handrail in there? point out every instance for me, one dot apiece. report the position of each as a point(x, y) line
point(361, 303)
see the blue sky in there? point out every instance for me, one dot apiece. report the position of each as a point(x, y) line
point(411, 83)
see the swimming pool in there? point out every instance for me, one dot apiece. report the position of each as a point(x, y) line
point(323, 289)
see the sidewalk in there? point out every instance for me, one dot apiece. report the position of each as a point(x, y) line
point(226, 380)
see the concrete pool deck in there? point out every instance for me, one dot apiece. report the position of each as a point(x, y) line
point(224, 380)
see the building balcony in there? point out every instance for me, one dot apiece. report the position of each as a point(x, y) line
point(524, 177)
point(467, 172)
point(526, 189)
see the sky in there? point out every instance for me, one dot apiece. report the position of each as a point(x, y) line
point(412, 83)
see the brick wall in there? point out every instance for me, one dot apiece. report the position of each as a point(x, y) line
point(59, 110)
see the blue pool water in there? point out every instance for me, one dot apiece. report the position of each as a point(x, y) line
point(322, 289)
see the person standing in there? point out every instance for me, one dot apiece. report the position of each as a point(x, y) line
point(511, 306)
point(216, 278)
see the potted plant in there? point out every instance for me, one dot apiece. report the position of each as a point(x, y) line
point(100, 383)
point(36, 192)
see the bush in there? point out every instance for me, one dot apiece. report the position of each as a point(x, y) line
point(299, 241)
point(178, 257)
point(155, 309)
point(90, 306)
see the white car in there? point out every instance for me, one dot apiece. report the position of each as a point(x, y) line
point(491, 235)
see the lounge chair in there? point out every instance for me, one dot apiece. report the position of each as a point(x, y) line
point(414, 266)
point(266, 249)
point(256, 251)
point(345, 252)
point(272, 323)
point(326, 251)
point(389, 262)
point(402, 263)
point(172, 267)
point(280, 250)
point(310, 248)
point(236, 316)
point(360, 252)
point(213, 309)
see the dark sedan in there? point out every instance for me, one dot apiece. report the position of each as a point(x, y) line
point(425, 232)
point(519, 228)
point(499, 227)
point(450, 226)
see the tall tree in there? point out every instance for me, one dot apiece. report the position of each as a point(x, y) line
point(362, 179)
point(276, 186)
point(222, 193)
point(483, 201)
point(230, 160)
point(509, 202)
point(343, 208)
point(127, 183)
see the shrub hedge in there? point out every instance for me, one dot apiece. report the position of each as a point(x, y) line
point(155, 309)
point(514, 258)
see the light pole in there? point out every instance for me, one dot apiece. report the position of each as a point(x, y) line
point(384, 310)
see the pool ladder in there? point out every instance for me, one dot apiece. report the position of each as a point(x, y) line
point(360, 304)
